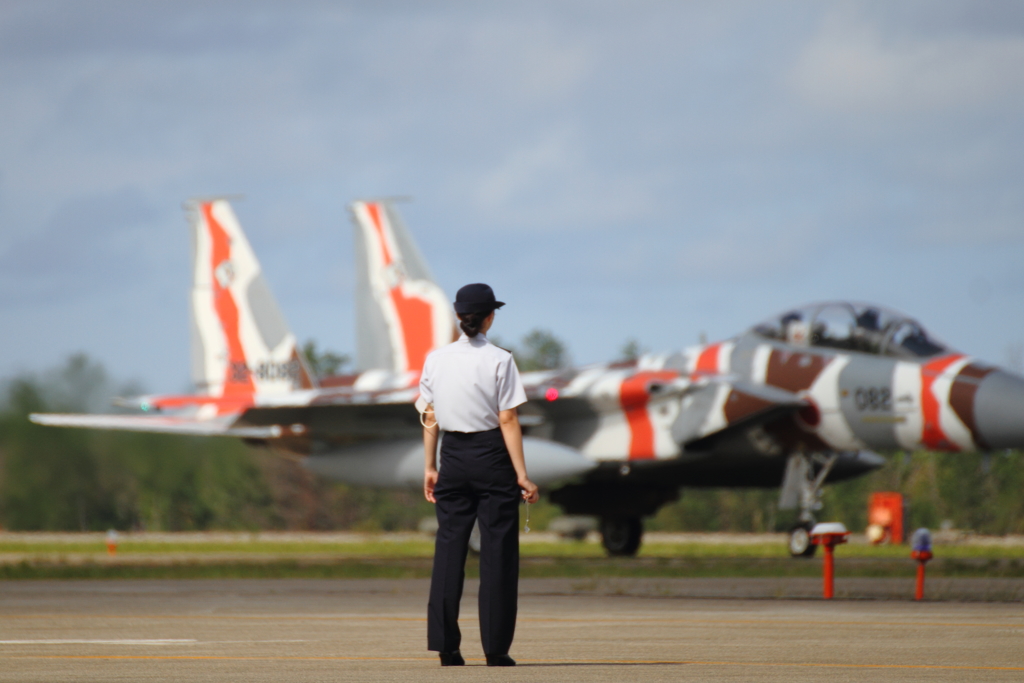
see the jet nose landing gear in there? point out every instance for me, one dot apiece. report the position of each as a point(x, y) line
point(621, 536)
point(800, 540)
point(801, 488)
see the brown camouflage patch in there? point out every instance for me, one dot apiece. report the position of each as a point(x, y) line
point(961, 398)
point(794, 371)
point(740, 405)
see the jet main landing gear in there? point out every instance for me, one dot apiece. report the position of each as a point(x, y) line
point(621, 536)
point(620, 504)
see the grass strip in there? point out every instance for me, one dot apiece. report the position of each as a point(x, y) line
point(425, 548)
point(288, 569)
point(530, 567)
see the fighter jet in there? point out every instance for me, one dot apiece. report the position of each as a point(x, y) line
point(252, 383)
point(796, 402)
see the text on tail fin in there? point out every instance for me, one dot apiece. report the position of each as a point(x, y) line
point(241, 343)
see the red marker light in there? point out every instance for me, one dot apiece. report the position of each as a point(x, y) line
point(551, 394)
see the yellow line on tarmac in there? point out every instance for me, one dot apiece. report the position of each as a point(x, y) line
point(230, 658)
point(567, 620)
point(811, 665)
point(296, 617)
point(768, 622)
point(822, 665)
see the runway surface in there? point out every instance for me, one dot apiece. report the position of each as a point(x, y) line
point(375, 630)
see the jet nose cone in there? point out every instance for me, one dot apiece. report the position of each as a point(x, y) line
point(999, 411)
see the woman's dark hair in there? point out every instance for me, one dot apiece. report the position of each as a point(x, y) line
point(472, 322)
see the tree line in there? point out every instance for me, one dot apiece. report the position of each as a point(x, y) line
point(70, 479)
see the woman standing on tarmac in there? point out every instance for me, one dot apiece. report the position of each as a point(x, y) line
point(470, 390)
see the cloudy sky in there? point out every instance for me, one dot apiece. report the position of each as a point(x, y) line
point(653, 170)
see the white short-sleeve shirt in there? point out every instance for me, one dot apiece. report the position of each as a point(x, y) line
point(469, 381)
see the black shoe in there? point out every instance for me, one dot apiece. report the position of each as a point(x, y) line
point(500, 660)
point(452, 659)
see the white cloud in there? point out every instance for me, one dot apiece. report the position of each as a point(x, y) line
point(753, 248)
point(552, 183)
point(524, 168)
point(853, 66)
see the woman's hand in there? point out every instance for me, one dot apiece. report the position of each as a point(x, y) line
point(508, 420)
point(430, 461)
point(429, 482)
point(529, 489)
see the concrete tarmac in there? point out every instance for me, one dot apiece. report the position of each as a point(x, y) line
point(375, 630)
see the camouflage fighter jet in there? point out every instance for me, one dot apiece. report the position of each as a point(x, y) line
point(796, 402)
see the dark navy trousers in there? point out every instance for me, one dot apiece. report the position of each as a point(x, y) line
point(476, 481)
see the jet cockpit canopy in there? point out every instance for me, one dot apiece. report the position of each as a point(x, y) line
point(853, 327)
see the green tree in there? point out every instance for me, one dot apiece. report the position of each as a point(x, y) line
point(631, 350)
point(541, 350)
point(76, 479)
point(974, 491)
point(324, 363)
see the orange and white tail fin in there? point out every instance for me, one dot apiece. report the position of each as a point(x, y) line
point(401, 313)
point(241, 344)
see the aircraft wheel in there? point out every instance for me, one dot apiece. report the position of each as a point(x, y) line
point(474, 539)
point(621, 537)
point(800, 541)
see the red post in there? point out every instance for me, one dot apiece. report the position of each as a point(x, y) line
point(829, 572)
point(829, 535)
point(922, 557)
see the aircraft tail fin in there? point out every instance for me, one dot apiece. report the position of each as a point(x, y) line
point(241, 344)
point(401, 313)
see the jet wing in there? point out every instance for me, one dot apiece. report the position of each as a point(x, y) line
point(349, 420)
point(724, 405)
point(709, 410)
point(221, 426)
point(335, 418)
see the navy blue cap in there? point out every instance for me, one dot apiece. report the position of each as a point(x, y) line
point(476, 298)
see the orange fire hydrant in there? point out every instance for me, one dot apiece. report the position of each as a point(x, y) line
point(828, 535)
point(921, 542)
